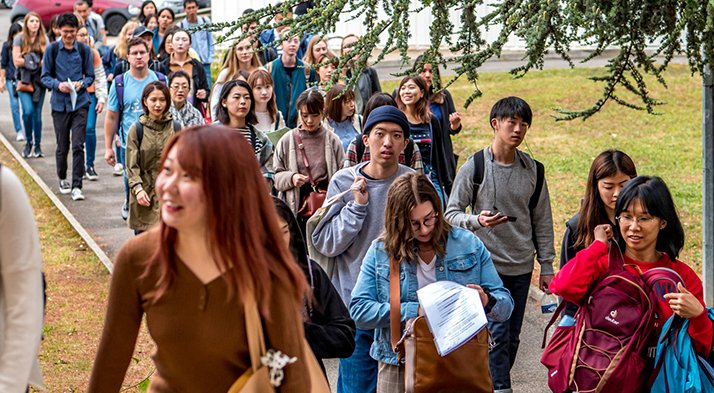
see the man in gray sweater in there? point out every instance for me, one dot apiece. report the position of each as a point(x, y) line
point(506, 224)
point(350, 226)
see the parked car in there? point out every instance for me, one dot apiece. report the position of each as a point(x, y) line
point(177, 5)
point(115, 12)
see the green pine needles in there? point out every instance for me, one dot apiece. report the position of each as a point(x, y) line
point(674, 26)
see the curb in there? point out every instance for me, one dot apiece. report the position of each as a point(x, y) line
point(535, 293)
point(62, 208)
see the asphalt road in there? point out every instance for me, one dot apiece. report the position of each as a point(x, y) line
point(99, 213)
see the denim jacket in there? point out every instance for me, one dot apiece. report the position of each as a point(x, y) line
point(466, 262)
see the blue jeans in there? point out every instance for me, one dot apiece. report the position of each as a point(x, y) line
point(90, 141)
point(209, 77)
point(126, 179)
point(358, 373)
point(32, 116)
point(14, 105)
point(506, 334)
point(429, 171)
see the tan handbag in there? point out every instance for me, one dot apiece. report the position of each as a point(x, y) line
point(317, 197)
point(25, 87)
point(257, 378)
point(463, 370)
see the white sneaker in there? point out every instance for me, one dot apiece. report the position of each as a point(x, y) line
point(77, 194)
point(20, 136)
point(118, 170)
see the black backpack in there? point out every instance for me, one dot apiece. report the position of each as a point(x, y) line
point(140, 130)
point(532, 203)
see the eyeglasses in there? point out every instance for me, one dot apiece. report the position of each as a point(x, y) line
point(140, 53)
point(68, 31)
point(643, 222)
point(82, 35)
point(428, 223)
point(179, 87)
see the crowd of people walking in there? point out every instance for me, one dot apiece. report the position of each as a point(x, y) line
point(272, 214)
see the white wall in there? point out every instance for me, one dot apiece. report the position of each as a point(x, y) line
point(230, 10)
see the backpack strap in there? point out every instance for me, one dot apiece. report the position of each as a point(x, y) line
point(478, 177)
point(359, 148)
point(162, 77)
point(139, 132)
point(533, 203)
point(119, 86)
point(54, 48)
point(408, 153)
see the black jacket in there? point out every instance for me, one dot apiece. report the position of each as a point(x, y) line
point(439, 159)
point(198, 80)
point(329, 329)
point(446, 108)
point(368, 84)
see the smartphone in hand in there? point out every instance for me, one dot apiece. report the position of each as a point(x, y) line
point(510, 218)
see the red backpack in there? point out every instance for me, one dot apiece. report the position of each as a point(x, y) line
point(606, 350)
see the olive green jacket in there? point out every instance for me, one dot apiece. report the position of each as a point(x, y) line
point(142, 167)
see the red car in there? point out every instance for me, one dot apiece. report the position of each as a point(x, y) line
point(114, 12)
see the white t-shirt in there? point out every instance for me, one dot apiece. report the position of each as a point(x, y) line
point(426, 273)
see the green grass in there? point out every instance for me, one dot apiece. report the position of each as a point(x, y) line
point(669, 146)
point(77, 288)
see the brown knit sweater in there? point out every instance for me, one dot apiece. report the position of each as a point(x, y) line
point(200, 336)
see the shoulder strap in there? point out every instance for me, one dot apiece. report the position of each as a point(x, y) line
point(301, 148)
point(395, 310)
point(82, 49)
point(161, 76)
point(253, 329)
point(409, 153)
point(478, 176)
point(119, 82)
point(177, 126)
point(533, 203)
point(359, 148)
point(139, 132)
point(54, 47)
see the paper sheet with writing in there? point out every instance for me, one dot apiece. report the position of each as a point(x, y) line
point(72, 93)
point(454, 314)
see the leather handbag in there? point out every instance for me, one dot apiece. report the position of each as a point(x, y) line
point(257, 379)
point(463, 370)
point(25, 87)
point(317, 196)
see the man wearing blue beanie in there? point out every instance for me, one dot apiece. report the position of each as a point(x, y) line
point(352, 224)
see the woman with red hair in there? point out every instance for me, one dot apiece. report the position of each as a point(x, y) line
point(195, 273)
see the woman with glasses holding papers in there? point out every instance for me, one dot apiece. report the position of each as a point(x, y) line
point(427, 249)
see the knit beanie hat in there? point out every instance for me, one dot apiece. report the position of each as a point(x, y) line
point(390, 114)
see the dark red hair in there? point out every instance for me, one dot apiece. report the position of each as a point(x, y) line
point(243, 235)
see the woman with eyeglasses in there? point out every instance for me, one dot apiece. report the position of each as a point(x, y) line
point(651, 236)
point(427, 249)
point(188, 115)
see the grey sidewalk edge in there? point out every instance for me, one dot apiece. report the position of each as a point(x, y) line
point(535, 293)
point(62, 208)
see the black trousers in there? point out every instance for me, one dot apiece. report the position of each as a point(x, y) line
point(70, 126)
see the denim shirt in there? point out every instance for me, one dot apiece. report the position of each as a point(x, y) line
point(70, 65)
point(466, 262)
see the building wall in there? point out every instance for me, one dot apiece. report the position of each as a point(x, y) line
point(230, 10)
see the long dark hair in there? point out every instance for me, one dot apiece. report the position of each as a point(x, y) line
point(421, 110)
point(377, 100)
point(263, 76)
point(437, 98)
point(142, 17)
point(654, 197)
point(592, 211)
point(249, 250)
point(222, 112)
point(15, 28)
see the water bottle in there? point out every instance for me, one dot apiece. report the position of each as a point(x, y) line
point(548, 303)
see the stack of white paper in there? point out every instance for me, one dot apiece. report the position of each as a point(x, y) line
point(454, 314)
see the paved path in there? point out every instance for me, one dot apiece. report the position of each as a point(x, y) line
point(100, 215)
